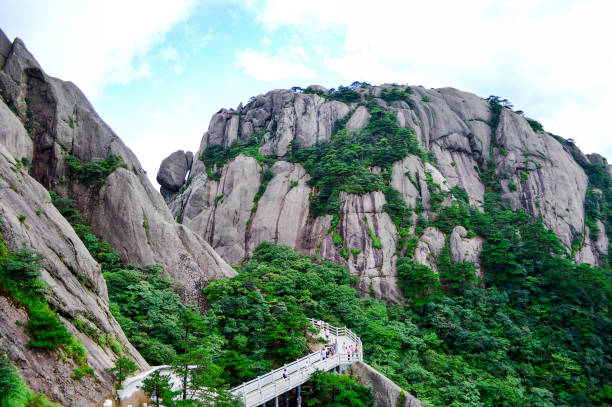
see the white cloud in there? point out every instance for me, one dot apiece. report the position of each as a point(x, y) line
point(169, 53)
point(94, 43)
point(551, 58)
point(287, 63)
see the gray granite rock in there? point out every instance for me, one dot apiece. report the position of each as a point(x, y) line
point(13, 135)
point(61, 122)
point(451, 124)
point(549, 182)
point(76, 288)
point(386, 392)
point(174, 169)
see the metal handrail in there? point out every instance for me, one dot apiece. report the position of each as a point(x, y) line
point(297, 373)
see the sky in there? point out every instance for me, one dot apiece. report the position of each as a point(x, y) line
point(156, 71)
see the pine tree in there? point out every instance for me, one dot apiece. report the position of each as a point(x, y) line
point(45, 330)
point(157, 384)
point(123, 368)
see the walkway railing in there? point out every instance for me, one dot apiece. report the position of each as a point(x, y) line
point(337, 331)
point(272, 384)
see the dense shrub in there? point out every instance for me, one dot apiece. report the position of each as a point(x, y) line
point(94, 172)
point(396, 94)
point(19, 275)
point(20, 279)
point(343, 163)
point(333, 390)
point(417, 281)
point(14, 392)
point(216, 156)
point(535, 125)
point(148, 309)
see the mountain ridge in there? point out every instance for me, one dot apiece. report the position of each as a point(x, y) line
point(539, 172)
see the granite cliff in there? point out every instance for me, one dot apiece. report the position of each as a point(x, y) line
point(46, 124)
point(264, 194)
point(57, 121)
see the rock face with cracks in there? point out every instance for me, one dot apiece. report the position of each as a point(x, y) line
point(43, 121)
point(386, 393)
point(453, 126)
point(61, 122)
point(76, 289)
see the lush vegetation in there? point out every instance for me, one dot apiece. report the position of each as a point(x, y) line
point(20, 280)
point(216, 156)
point(540, 336)
point(537, 331)
point(333, 390)
point(540, 333)
point(143, 302)
point(345, 94)
point(598, 202)
point(343, 164)
point(94, 172)
point(397, 94)
point(14, 392)
point(147, 308)
point(156, 322)
point(535, 125)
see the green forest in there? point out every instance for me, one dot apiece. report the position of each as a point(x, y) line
point(539, 333)
point(536, 330)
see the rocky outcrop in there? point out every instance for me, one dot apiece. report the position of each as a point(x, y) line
point(172, 172)
point(386, 393)
point(283, 211)
point(127, 212)
point(362, 221)
point(12, 134)
point(359, 119)
point(429, 248)
point(546, 180)
point(466, 249)
point(540, 173)
point(281, 116)
point(76, 289)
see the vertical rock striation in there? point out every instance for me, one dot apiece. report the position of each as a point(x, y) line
point(454, 126)
point(61, 122)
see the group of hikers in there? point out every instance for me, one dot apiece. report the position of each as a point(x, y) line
point(351, 350)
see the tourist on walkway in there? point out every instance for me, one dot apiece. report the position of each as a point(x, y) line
point(285, 375)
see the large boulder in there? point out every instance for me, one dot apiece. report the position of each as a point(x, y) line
point(174, 169)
